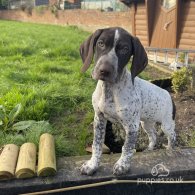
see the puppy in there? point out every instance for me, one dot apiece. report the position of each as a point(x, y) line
point(122, 97)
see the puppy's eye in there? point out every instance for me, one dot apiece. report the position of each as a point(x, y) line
point(124, 50)
point(101, 44)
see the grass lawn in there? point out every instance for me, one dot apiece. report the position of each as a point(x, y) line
point(40, 68)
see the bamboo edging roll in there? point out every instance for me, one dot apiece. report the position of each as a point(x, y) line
point(26, 161)
point(8, 160)
point(47, 158)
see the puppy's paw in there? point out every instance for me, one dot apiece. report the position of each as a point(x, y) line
point(89, 168)
point(121, 168)
point(168, 147)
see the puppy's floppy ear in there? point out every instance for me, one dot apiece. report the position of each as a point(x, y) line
point(140, 59)
point(87, 49)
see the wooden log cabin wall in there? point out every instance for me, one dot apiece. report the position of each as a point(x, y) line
point(164, 23)
point(186, 38)
point(139, 22)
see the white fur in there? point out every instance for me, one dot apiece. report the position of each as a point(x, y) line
point(116, 36)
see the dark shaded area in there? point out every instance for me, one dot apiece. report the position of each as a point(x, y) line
point(135, 189)
point(126, 189)
point(163, 83)
point(41, 2)
point(110, 139)
point(115, 189)
point(70, 5)
point(2, 7)
point(128, 2)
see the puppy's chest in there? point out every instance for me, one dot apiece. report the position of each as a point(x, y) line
point(108, 105)
point(108, 109)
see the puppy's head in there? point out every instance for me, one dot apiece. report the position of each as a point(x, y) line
point(112, 49)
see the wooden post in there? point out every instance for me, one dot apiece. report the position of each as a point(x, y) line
point(47, 158)
point(193, 77)
point(8, 159)
point(26, 161)
point(186, 58)
point(166, 57)
point(155, 56)
point(176, 57)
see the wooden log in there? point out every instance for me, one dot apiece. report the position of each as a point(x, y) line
point(141, 22)
point(187, 17)
point(188, 29)
point(142, 37)
point(141, 28)
point(188, 42)
point(141, 32)
point(141, 11)
point(190, 10)
point(145, 43)
point(8, 160)
point(190, 23)
point(140, 17)
point(187, 36)
point(26, 161)
point(185, 46)
point(46, 158)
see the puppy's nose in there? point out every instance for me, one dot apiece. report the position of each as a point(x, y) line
point(104, 72)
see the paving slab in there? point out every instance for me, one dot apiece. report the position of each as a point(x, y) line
point(159, 164)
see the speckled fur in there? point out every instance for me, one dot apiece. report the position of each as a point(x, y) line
point(128, 104)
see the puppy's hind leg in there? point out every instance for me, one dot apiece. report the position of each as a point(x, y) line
point(168, 127)
point(149, 128)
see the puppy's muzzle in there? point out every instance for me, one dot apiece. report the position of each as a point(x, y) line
point(105, 71)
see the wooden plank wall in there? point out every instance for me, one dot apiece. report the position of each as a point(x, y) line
point(141, 27)
point(186, 37)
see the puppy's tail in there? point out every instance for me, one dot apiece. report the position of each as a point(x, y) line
point(174, 110)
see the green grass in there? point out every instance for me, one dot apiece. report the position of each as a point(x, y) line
point(40, 68)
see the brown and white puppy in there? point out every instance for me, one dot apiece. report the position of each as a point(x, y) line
point(122, 97)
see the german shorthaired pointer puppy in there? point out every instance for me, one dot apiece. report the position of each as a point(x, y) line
point(121, 96)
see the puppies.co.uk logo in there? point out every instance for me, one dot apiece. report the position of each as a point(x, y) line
point(160, 170)
point(160, 174)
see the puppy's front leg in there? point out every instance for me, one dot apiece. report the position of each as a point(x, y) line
point(89, 167)
point(128, 149)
